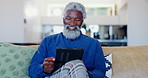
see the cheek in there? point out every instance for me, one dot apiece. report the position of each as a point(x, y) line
point(80, 23)
point(65, 22)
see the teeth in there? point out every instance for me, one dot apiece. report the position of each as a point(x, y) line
point(71, 27)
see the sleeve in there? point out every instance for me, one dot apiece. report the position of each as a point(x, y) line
point(36, 66)
point(99, 67)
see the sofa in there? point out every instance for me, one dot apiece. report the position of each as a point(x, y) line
point(127, 62)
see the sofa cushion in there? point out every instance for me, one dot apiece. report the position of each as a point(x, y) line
point(14, 60)
point(129, 61)
point(108, 62)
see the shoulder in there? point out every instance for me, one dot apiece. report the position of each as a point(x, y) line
point(88, 38)
point(51, 37)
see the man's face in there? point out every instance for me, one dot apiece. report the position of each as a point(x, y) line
point(73, 18)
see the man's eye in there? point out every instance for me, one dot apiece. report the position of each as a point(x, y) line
point(77, 19)
point(68, 18)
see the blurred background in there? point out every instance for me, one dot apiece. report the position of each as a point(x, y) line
point(112, 22)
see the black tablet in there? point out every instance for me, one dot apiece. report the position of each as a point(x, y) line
point(64, 55)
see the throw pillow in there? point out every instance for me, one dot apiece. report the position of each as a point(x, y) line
point(108, 61)
point(14, 60)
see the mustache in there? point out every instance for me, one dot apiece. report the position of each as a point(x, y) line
point(77, 27)
point(71, 34)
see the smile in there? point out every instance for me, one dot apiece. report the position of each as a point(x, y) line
point(71, 28)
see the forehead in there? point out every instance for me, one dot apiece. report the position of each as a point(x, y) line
point(73, 13)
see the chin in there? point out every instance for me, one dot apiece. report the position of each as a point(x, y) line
point(71, 34)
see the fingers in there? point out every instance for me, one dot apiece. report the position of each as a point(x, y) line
point(50, 59)
point(48, 64)
point(48, 70)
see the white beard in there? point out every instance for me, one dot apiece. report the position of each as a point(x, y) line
point(71, 34)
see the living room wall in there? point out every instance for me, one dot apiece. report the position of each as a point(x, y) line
point(11, 21)
point(32, 26)
point(20, 21)
point(137, 22)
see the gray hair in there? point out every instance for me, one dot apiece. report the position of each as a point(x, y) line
point(77, 6)
point(71, 34)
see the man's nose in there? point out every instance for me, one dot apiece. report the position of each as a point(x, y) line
point(73, 22)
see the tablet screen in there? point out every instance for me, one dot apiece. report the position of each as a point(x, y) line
point(64, 55)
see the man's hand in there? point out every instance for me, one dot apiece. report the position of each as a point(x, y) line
point(48, 64)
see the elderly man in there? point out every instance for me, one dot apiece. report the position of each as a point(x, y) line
point(91, 66)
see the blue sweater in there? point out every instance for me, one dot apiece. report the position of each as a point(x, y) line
point(93, 57)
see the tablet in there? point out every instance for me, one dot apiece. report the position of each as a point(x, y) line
point(64, 55)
